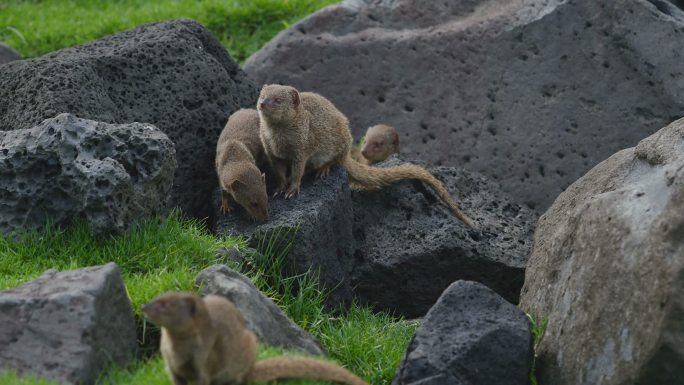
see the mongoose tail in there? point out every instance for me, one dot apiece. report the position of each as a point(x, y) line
point(301, 367)
point(373, 178)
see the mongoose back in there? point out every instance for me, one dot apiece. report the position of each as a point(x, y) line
point(239, 153)
point(205, 341)
point(379, 143)
point(304, 130)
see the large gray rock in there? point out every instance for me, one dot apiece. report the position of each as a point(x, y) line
point(470, 337)
point(315, 227)
point(8, 54)
point(409, 247)
point(68, 326)
point(607, 270)
point(263, 317)
point(531, 93)
point(175, 75)
point(68, 168)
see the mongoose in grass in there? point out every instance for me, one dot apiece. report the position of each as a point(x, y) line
point(304, 131)
point(239, 153)
point(379, 143)
point(205, 341)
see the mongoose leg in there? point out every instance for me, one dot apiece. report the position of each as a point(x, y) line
point(297, 172)
point(226, 202)
point(323, 171)
point(280, 169)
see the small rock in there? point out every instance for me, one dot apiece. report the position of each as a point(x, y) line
point(471, 336)
point(263, 316)
point(8, 54)
point(68, 326)
point(68, 168)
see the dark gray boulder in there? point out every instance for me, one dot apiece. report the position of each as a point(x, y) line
point(8, 54)
point(175, 75)
point(530, 93)
point(66, 168)
point(263, 317)
point(68, 326)
point(607, 270)
point(314, 229)
point(409, 247)
point(470, 337)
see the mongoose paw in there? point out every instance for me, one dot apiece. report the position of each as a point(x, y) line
point(226, 208)
point(292, 192)
point(323, 171)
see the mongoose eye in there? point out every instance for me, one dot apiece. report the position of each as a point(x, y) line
point(254, 205)
point(277, 100)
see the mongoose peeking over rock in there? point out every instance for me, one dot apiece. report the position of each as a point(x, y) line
point(304, 131)
point(205, 341)
point(239, 153)
point(378, 144)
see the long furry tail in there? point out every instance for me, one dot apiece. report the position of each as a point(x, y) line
point(373, 178)
point(301, 368)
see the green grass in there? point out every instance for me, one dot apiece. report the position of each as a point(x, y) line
point(166, 254)
point(538, 329)
point(35, 28)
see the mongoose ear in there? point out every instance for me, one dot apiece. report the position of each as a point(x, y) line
point(263, 177)
point(395, 138)
point(192, 306)
point(295, 97)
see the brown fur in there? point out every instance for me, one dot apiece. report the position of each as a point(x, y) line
point(205, 341)
point(379, 143)
point(239, 153)
point(304, 130)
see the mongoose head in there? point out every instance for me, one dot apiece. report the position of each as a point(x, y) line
point(173, 310)
point(247, 185)
point(380, 142)
point(278, 103)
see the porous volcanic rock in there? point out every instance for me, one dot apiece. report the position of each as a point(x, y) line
point(67, 169)
point(530, 93)
point(409, 247)
point(174, 74)
point(315, 226)
point(471, 336)
point(607, 270)
point(263, 317)
point(68, 326)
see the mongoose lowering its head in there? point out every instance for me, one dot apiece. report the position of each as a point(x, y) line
point(379, 143)
point(239, 153)
point(205, 341)
point(304, 131)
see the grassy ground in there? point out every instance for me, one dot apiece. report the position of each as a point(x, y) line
point(243, 26)
point(167, 254)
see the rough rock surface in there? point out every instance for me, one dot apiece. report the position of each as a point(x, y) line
point(322, 218)
point(68, 326)
point(263, 316)
point(409, 247)
point(68, 168)
point(531, 93)
point(470, 337)
point(607, 270)
point(175, 75)
point(8, 54)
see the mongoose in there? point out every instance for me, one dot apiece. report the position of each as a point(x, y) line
point(239, 153)
point(304, 130)
point(205, 341)
point(379, 143)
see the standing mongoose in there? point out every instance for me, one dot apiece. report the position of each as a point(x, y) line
point(239, 153)
point(205, 341)
point(379, 143)
point(304, 131)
